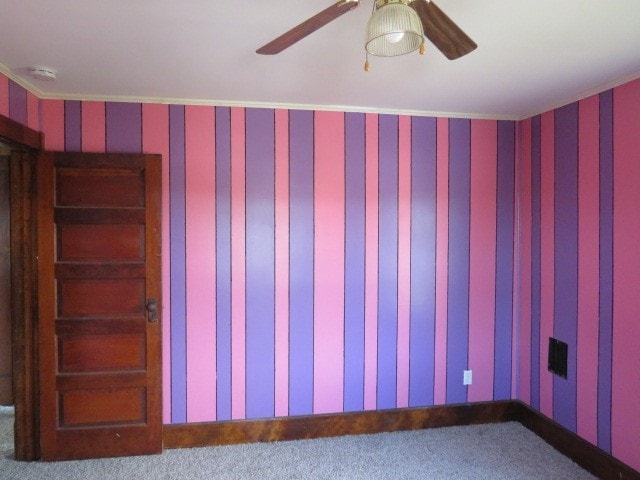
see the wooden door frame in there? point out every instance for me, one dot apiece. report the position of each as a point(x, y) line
point(25, 143)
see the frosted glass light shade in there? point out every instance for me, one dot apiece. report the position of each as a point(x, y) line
point(393, 29)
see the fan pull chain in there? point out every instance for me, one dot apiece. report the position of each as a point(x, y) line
point(367, 65)
point(423, 48)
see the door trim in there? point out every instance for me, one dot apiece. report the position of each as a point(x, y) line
point(25, 142)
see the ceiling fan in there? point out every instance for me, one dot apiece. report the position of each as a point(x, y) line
point(385, 36)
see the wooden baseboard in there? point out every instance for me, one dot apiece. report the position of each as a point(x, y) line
point(585, 454)
point(332, 425)
point(588, 456)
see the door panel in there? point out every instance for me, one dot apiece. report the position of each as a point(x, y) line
point(99, 265)
point(96, 243)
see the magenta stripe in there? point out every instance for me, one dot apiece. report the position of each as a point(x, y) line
point(93, 128)
point(200, 263)
point(404, 258)
point(458, 281)
point(72, 126)
point(504, 261)
point(155, 139)
point(354, 262)
point(4, 95)
point(178, 253)
point(282, 262)
point(524, 390)
point(329, 202)
point(260, 262)
point(33, 114)
point(238, 263)
point(223, 262)
point(301, 263)
point(482, 258)
point(587, 349)
point(536, 252)
point(423, 261)
point(625, 421)
point(605, 336)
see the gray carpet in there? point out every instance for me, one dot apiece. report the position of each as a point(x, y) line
point(497, 451)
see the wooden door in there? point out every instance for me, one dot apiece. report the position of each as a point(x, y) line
point(99, 305)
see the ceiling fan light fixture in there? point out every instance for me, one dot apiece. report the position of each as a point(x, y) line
point(393, 29)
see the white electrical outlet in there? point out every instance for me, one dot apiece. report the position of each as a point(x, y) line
point(467, 377)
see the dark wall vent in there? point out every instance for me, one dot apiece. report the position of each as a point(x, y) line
point(558, 357)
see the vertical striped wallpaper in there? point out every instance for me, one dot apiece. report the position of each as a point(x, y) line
point(579, 266)
point(304, 252)
point(323, 262)
point(19, 104)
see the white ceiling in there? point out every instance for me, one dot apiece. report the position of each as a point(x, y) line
point(532, 55)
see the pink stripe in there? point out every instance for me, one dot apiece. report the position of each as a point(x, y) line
point(404, 259)
point(442, 253)
point(525, 265)
point(33, 114)
point(371, 263)
point(53, 124)
point(625, 420)
point(546, 258)
point(329, 200)
point(515, 307)
point(155, 139)
point(4, 95)
point(238, 267)
point(93, 126)
point(482, 273)
point(588, 267)
point(200, 262)
point(282, 263)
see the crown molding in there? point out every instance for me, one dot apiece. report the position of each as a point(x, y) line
point(245, 104)
point(21, 81)
point(302, 106)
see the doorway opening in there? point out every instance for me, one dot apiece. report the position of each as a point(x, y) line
point(6, 369)
point(20, 144)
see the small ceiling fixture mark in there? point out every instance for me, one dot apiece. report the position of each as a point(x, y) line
point(43, 73)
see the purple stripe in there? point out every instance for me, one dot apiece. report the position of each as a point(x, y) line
point(423, 261)
point(223, 263)
point(387, 260)
point(606, 271)
point(458, 286)
point(124, 127)
point(17, 103)
point(504, 261)
point(178, 259)
point(354, 275)
point(536, 265)
point(260, 262)
point(517, 324)
point(565, 325)
point(301, 262)
point(72, 126)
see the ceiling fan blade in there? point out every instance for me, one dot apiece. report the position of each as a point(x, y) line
point(442, 31)
point(307, 27)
